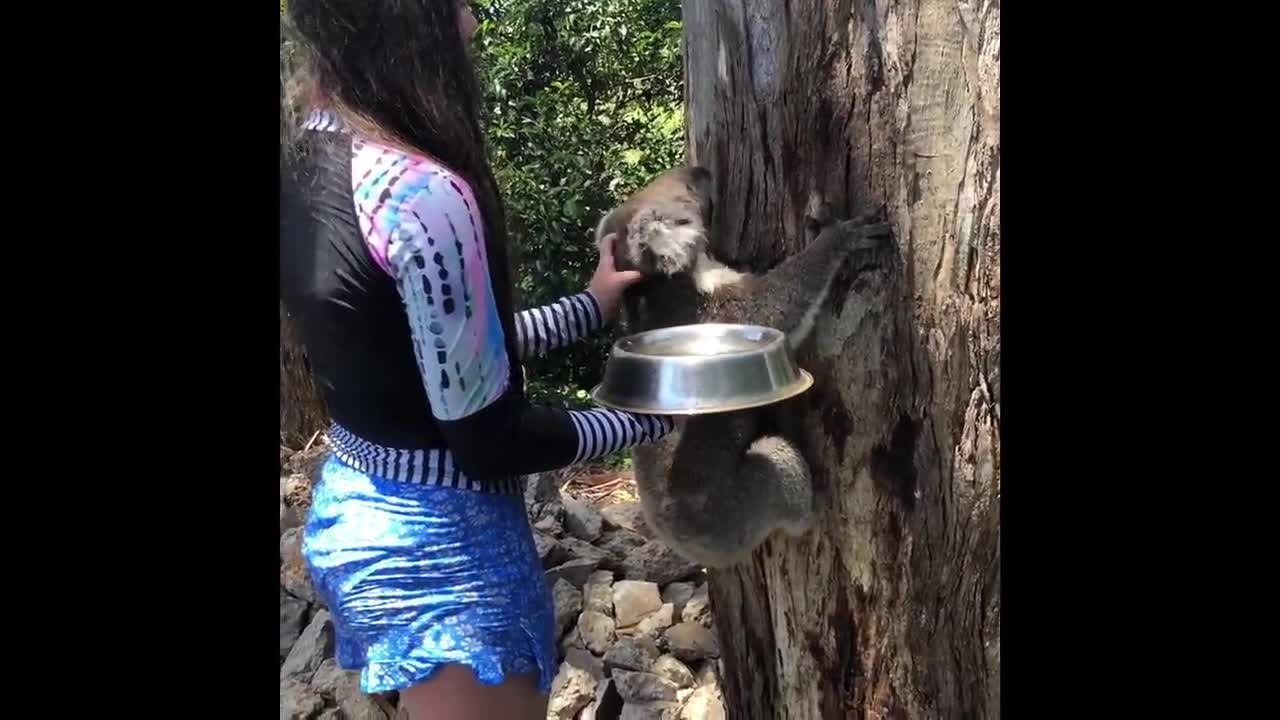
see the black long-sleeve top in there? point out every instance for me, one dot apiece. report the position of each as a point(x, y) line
point(383, 263)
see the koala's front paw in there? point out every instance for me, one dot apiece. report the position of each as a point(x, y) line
point(870, 229)
point(878, 214)
point(816, 220)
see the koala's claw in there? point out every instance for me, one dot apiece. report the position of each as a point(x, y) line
point(820, 215)
point(878, 214)
point(872, 236)
point(817, 219)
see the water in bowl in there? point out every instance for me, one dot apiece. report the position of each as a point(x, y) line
point(696, 343)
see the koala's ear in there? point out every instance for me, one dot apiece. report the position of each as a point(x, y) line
point(604, 223)
point(700, 179)
point(621, 258)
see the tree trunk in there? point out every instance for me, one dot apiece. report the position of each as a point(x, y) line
point(890, 608)
point(302, 409)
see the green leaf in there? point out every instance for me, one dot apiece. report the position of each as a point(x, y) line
point(572, 209)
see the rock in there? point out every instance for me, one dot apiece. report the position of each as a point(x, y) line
point(549, 550)
point(295, 491)
point(580, 519)
point(708, 674)
point(678, 593)
point(332, 713)
point(293, 570)
point(306, 462)
point(292, 614)
point(626, 515)
point(313, 646)
point(598, 593)
point(540, 489)
point(597, 631)
point(298, 701)
point(571, 639)
point(584, 660)
point(643, 687)
point(327, 678)
point(651, 625)
point(690, 642)
point(568, 601)
point(572, 690)
point(542, 501)
point(650, 711)
point(549, 525)
point(697, 609)
point(291, 517)
point(354, 704)
point(608, 702)
point(656, 562)
point(632, 654)
point(581, 550)
point(617, 544)
point(704, 704)
point(633, 599)
point(574, 571)
point(669, 668)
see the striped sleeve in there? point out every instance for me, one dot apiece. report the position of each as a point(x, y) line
point(604, 431)
point(549, 327)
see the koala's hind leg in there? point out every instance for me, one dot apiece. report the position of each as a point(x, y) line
point(770, 489)
point(720, 489)
point(778, 464)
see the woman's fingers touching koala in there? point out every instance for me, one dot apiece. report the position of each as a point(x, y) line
point(609, 283)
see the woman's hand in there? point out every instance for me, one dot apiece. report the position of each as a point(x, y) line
point(608, 284)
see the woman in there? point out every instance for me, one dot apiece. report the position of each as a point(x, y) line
point(394, 263)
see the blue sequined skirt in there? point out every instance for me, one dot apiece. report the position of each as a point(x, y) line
point(417, 577)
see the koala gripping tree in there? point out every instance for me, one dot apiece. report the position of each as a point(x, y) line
point(890, 608)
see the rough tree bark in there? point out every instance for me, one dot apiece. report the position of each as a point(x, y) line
point(302, 409)
point(891, 607)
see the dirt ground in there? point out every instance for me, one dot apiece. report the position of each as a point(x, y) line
point(601, 486)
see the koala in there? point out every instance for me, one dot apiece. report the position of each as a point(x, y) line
point(719, 484)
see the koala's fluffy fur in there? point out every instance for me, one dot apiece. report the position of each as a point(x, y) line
point(720, 484)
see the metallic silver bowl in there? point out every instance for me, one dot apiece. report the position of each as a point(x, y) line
point(699, 369)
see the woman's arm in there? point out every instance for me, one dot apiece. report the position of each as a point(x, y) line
point(543, 329)
point(437, 256)
point(573, 318)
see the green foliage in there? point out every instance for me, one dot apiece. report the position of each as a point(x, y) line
point(584, 104)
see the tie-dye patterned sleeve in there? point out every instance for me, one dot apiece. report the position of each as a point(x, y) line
point(436, 254)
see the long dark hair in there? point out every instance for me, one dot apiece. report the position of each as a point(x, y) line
point(397, 71)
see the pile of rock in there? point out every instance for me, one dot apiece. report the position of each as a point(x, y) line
point(631, 652)
point(635, 627)
point(633, 618)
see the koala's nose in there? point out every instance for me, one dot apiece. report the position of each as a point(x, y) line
point(648, 258)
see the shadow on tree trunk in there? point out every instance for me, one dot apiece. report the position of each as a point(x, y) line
point(302, 409)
